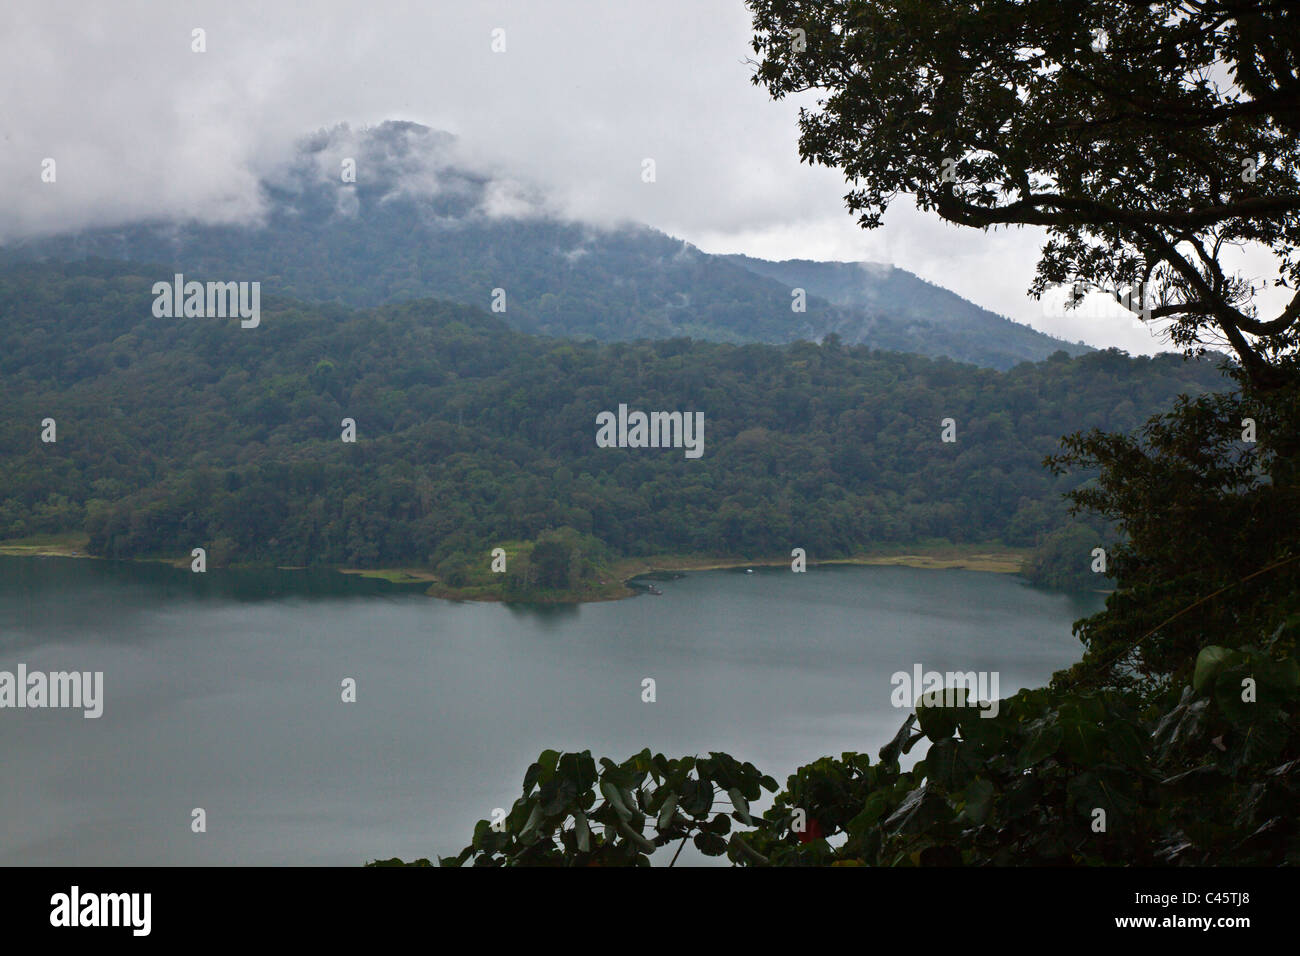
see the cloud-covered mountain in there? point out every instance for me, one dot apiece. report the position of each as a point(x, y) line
point(421, 221)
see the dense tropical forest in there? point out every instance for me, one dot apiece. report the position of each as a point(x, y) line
point(1150, 142)
point(179, 433)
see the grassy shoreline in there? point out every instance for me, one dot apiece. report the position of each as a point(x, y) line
point(983, 557)
point(993, 559)
point(48, 546)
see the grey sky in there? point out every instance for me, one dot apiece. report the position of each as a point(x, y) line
point(140, 125)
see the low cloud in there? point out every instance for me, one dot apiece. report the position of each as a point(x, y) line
point(142, 127)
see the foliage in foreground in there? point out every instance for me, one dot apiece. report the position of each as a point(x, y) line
point(1208, 530)
point(1172, 744)
point(1210, 776)
point(1174, 741)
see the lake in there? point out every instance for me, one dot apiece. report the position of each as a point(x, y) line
point(223, 691)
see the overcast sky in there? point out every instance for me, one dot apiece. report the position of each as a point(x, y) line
point(141, 126)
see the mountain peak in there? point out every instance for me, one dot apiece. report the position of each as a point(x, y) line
point(398, 211)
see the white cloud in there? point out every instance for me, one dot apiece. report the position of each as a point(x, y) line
point(142, 127)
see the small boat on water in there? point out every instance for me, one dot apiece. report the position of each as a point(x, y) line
point(749, 570)
point(653, 590)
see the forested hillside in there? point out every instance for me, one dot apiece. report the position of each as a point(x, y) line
point(416, 224)
point(176, 433)
point(918, 310)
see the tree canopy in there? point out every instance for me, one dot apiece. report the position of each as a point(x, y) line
point(1149, 139)
point(173, 435)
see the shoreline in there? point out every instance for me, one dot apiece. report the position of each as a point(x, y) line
point(992, 559)
point(995, 560)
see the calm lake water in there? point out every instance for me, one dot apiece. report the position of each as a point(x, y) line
point(222, 691)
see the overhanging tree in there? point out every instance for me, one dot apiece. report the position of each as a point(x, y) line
point(1152, 142)
point(1149, 139)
